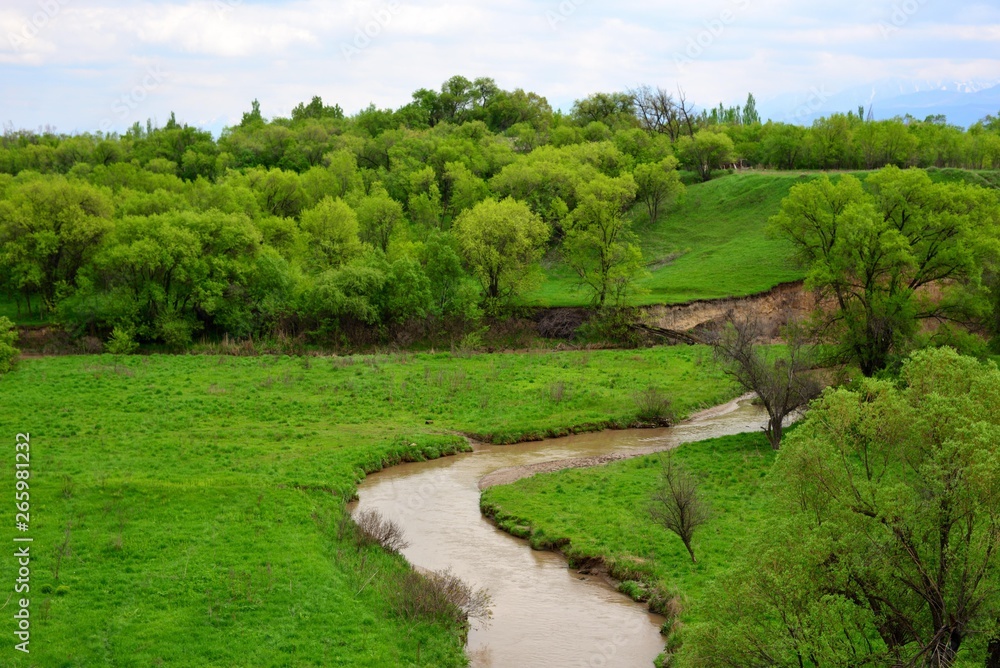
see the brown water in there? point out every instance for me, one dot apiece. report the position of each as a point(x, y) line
point(544, 614)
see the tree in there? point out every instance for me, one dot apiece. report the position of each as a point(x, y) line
point(8, 337)
point(779, 380)
point(876, 253)
point(379, 215)
point(676, 504)
point(782, 145)
point(882, 143)
point(884, 548)
point(332, 227)
point(600, 245)
point(502, 243)
point(50, 228)
point(705, 151)
point(657, 111)
point(615, 110)
point(750, 114)
point(658, 184)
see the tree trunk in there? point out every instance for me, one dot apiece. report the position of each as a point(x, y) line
point(774, 431)
point(993, 654)
point(687, 544)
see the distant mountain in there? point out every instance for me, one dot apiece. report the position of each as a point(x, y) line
point(963, 102)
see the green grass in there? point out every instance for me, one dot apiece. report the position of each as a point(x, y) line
point(711, 245)
point(603, 512)
point(201, 495)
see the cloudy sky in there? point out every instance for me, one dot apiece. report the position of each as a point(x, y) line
point(84, 65)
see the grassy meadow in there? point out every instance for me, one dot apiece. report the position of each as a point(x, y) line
point(186, 510)
point(603, 513)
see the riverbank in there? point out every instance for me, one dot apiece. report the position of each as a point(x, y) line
point(598, 518)
point(507, 476)
point(200, 497)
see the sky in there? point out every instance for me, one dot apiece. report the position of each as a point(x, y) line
point(89, 65)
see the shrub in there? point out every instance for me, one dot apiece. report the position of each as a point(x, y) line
point(653, 406)
point(441, 595)
point(374, 529)
point(122, 341)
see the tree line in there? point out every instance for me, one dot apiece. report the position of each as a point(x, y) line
point(352, 227)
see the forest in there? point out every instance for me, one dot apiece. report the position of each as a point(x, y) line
point(415, 223)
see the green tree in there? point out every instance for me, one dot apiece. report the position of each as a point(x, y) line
point(874, 253)
point(705, 152)
point(49, 229)
point(502, 242)
point(884, 549)
point(332, 228)
point(750, 114)
point(615, 110)
point(378, 216)
point(658, 184)
point(600, 245)
point(453, 292)
point(8, 337)
point(782, 145)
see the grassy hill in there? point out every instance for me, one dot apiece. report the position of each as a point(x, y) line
point(711, 245)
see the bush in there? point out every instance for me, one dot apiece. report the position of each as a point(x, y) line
point(122, 342)
point(374, 529)
point(653, 406)
point(8, 353)
point(441, 595)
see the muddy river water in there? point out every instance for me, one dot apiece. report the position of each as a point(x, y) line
point(544, 614)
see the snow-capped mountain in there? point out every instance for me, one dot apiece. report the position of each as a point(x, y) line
point(963, 102)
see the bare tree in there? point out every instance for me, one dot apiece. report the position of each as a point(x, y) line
point(779, 381)
point(656, 110)
point(686, 112)
point(677, 506)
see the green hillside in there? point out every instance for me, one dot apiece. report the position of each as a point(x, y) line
point(711, 245)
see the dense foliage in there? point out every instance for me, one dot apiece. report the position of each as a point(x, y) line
point(883, 548)
point(342, 226)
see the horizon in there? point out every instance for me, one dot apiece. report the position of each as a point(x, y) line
point(102, 65)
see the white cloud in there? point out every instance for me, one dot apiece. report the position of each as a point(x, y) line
point(223, 53)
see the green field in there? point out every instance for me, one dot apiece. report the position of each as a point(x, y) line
point(711, 245)
point(603, 512)
point(186, 508)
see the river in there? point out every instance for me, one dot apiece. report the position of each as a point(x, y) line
point(544, 614)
